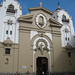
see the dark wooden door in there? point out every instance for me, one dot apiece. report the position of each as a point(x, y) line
point(42, 65)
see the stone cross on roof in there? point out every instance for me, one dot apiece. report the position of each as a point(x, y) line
point(40, 4)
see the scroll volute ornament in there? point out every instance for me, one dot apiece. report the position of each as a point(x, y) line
point(41, 21)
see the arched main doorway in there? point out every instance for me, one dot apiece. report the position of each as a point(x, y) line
point(41, 49)
point(42, 65)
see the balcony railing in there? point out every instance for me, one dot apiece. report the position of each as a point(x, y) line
point(65, 20)
point(12, 11)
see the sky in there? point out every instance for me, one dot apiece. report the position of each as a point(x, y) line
point(51, 5)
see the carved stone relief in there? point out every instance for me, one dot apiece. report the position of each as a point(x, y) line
point(41, 45)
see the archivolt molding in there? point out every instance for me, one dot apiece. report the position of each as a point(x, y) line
point(41, 40)
point(44, 36)
point(41, 45)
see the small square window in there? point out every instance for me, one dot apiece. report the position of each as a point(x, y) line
point(68, 39)
point(7, 51)
point(10, 32)
point(69, 54)
point(6, 31)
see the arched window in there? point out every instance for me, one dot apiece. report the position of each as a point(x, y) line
point(11, 8)
point(64, 17)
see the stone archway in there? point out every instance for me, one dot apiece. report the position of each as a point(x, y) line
point(42, 45)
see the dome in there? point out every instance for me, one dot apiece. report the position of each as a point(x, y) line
point(8, 41)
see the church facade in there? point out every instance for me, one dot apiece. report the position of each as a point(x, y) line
point(44, 42)
point(43, 46)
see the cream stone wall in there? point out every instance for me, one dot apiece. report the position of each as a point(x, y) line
point(25, 53)
point(58, 60)
point(11, 65)
point(62, 62)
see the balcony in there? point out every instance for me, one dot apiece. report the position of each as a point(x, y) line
point(65, 20)
point(11, 11)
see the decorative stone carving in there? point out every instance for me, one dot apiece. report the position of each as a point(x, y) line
point(1, 4)
point(20, 8)
point(40, 4)
point(41, 20)
point(10, 22)
point(8, 41)
point(7, 60)
point(41, 45)
point(66, 30)
point(68, 46)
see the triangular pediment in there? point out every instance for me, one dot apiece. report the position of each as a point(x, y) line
point(40, 18)
point(41, 8)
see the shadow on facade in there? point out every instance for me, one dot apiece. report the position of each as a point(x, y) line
point(54, 73)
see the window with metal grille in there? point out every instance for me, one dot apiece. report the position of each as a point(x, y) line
point(7, 51)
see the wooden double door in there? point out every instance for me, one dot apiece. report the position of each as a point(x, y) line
point(42, 65)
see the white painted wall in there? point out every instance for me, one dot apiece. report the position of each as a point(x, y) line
point(72, 42)
point(5, 16)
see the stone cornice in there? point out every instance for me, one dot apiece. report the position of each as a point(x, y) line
point(26, 18)
point(55, 23)
point(41, 8)
point(25, 28)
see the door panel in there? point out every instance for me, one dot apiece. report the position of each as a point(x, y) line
point(42, 65)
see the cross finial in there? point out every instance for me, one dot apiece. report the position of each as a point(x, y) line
point(40, 4)
point(58, 4)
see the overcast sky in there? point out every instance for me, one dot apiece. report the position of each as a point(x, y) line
point(51, 5)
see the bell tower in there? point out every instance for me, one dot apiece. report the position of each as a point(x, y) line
point(10, 11)
point(67, 29)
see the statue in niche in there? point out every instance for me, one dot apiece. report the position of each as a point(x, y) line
point(41, 21)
